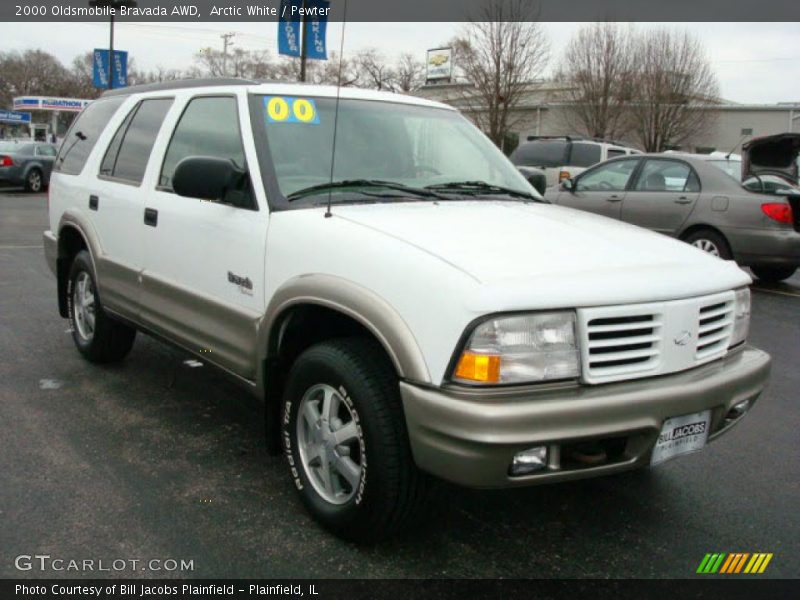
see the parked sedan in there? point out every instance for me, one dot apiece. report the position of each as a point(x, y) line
point(26, 164)
point(689, 198)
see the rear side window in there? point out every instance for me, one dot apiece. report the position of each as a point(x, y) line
point(615, 152)
point(82, 136)
point(129, 151)
point(45, 151)
point(208, 127)
point(541, 153)
point(584, 155)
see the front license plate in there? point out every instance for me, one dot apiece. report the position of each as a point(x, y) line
point(681, 435)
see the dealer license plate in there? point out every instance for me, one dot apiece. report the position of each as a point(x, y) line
point(681, 435)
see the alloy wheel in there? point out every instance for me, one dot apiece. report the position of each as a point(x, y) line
point(329, 443)
point(83, 305)
point(706, 246)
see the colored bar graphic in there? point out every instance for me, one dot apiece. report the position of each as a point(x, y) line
point(734, 563)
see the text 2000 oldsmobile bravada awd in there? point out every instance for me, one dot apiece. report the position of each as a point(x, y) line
point(412, 309)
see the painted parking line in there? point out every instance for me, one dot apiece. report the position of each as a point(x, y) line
point(768, 291)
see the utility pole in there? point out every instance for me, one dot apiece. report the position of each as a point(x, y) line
point(226, 41)
point(304, 28)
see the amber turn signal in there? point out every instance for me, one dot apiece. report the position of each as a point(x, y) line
point(484, 368)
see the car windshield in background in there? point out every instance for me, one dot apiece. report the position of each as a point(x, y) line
point(731, 167)
point(407, 147)
point(541, 153)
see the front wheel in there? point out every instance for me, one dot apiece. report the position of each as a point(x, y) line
point(773, 274)
point(345, 439)
point(98, 337)
point(34, 181)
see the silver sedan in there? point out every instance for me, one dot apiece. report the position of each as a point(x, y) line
point(688, 197)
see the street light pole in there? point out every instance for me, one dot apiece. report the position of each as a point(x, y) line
point(303, 35)
point(115, 5)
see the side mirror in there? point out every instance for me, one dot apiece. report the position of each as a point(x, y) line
point(536, 177)
point(568, 185)
point(207, 178)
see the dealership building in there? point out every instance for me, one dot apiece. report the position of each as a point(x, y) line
point(542, 110)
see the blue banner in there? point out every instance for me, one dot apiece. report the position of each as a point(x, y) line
point(8, 116)
point(289, 28)
point(316, 23)
point(100, 68)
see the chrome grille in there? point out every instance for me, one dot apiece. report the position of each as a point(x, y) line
point(714, 330)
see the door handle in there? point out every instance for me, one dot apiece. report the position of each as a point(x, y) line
point(151, 217)
point(613, 198)
point(683, 200)
point(94, 202)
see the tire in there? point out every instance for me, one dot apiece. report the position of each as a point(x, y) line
point(385, 490)
point(34, 181)
point(773, 274)
point(710, 241)
point(98, 337)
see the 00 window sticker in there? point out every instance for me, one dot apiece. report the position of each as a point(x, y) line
point(285, 109)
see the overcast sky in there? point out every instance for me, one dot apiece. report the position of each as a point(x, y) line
point(755, 62)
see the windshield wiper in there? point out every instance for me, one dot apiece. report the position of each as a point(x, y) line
point(481, 187)
point(363, 183)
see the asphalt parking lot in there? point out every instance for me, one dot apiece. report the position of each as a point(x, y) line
point(154, 459)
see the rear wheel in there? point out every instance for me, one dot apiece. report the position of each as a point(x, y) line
point(711, 242)
point(98, 337)
point(345, 439)
point(34, 181)
point(773, 274)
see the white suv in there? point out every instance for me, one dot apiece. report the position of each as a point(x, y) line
point(411, 308)
point(562, 158)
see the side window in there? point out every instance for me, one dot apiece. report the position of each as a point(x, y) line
point(608, 177)
point(129, 151)
point(45, 151)
point(82, 136)
point(665, 176)
point(615, 152)
point(208, 127)
point(584, 155)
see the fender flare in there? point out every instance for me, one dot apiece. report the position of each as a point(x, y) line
point(355, 301)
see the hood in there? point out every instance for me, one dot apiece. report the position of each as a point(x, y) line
point(543, 255)
point(773, 154)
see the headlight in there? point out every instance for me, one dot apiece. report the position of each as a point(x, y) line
point(520, 349)
point(741, 318)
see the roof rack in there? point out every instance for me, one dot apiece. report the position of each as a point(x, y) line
point(178, 84)
point(576, 138)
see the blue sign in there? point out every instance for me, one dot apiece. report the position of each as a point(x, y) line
point(289, 28)
point(8, 116)
point(316, 24)
point(100, 69)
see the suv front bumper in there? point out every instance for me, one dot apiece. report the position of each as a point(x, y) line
point(470, 436)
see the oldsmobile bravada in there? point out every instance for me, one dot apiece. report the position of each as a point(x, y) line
point(375, 271)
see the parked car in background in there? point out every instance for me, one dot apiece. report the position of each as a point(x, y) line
point(690, 198)
point(563, 157)
point(27, 164)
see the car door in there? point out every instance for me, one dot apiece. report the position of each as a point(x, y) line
point(115, 201)
point(663, 195)
point(203, 281)
point(601, 189)
point(46, 155)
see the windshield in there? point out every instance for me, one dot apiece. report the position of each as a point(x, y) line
point(410, 147)
point(731, 167)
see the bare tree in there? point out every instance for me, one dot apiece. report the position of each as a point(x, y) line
point(674, 83)
point(499, 55)
point(409, 73)
point(238, 63)
point(373, 70)
point(598, 70)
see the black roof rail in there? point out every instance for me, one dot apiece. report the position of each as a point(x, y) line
point(576, 138)
point(178, 84)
